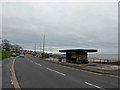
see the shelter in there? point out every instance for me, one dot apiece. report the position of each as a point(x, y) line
point(77, 55)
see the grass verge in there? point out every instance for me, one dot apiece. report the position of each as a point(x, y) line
point(4, 54)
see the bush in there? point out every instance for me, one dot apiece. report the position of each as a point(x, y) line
point(6, 54)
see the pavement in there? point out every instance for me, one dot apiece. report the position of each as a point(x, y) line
point(103, 68)
point(93, 67)
point(34, 73)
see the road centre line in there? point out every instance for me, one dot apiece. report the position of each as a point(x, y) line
point(56, 71)
point(94, 85)
point(38, 64)
point(78, 69)
point(35, 62)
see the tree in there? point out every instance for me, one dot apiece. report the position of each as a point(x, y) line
point(9, 47)
point(16, 47)
point(6, 44)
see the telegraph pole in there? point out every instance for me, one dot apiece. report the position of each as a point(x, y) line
point(40, 50)
point(40, 47)
point(35, 47)
point(43, 45)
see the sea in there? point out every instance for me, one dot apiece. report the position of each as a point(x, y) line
point(113, 57)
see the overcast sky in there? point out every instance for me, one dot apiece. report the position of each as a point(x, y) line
point(65, 25)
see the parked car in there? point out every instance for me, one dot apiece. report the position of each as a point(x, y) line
point(22, 55)
point(13, 54)
point(17, 54)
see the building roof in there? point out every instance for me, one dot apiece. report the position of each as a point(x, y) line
point(79, 50)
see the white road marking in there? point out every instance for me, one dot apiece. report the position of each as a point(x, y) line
point(12, 82)
point(39, 64)
point(13, 76)
point(94, 85)
point(35, 63)
point(56, 71)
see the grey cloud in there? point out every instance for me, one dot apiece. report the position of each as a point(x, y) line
point(65, 25)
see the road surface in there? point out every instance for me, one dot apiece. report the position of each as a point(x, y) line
point(6, 66)
point(34, 73)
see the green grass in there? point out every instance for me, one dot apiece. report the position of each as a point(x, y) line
point(4, 54)
point(0, 54)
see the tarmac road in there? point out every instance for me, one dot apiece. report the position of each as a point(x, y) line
point(6, 66)
point(34, 73)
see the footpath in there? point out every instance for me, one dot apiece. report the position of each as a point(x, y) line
point(93, 67)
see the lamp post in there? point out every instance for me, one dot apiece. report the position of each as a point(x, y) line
point(43, 45)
